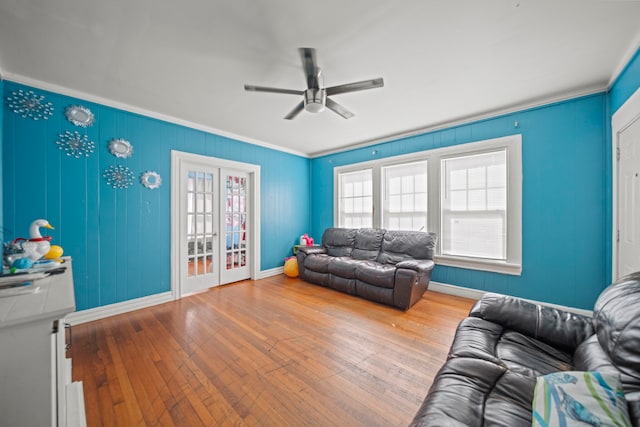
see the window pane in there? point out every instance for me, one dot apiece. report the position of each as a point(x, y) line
point(405, 196)
point(355, 199)
point(473, 203)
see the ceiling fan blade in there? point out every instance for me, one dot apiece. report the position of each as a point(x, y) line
point(353, 87)
point(296, 110)
point(272, 89)
point(308, 56)
point(334, 106)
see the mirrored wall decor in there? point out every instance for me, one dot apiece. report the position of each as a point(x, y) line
point(75, 144)
point(151, 180)
point(79, 115)
point(29, 104)
point(120, 148)
point(118, 176)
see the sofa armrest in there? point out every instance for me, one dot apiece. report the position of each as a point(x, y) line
point(551, 325)
point(419, 266)
point(308, 250)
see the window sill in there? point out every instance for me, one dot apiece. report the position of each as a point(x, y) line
point(479, 264)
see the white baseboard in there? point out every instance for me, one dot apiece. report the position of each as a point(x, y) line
point(458, 291)
point(271, 272)
point(97, 313)
point(476, 294)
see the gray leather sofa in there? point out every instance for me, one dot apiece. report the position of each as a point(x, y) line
point(389, 267)
point(499, 351)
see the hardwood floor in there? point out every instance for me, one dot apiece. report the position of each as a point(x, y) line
point(272, 352)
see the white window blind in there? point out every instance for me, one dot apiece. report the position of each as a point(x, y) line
point(405, 197)
point(356, 199)
point(474, 205)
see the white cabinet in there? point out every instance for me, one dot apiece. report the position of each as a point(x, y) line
point(35, 376)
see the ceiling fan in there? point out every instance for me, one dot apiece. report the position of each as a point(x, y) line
point(316, 96)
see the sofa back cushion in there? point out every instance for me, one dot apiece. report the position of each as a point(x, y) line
point(339, 241)
point(616, 320)
point(406, 245)
point(367, 244)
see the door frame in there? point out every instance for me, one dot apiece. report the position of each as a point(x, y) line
point(177, 158)
point(627, 114)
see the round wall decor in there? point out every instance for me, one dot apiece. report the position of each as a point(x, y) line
point(118, 176)
point(79, 115)
point(151, 180)
point(75, 144)
point(120, 148)
point(29, 104)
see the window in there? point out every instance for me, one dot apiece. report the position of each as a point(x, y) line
point(474, 205)
point(469, 194)
point(405, 197)
point(356, 199)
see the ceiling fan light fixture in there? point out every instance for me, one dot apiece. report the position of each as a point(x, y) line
point(315, 100)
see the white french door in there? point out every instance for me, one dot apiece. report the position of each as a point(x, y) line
point(234, 246)
point(200, 215)
point(214, 225)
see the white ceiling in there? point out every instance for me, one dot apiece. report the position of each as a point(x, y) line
point(442, 60)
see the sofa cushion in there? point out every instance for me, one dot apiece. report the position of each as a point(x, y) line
point(617, 325)
point(339, 241)
point(318, 263)
point(479, 338)
point(469, 392)
point(406, 245)
point(344, 267)
point(592, 398)
point(367, 243)
point(376, 274)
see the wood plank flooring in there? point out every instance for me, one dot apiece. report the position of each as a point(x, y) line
point(272, 352)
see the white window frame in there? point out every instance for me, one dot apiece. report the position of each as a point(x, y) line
point(513, 146)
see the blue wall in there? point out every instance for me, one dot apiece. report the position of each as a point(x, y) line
point(564, 198)
point(120, 239)
point(626, 83)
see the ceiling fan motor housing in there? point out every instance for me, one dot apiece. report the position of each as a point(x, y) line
point(315, 100)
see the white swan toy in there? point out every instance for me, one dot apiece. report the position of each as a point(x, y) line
point(37, 246)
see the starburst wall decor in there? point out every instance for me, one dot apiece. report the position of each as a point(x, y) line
point(75, 144)
point(29, 104)
point(119, 177)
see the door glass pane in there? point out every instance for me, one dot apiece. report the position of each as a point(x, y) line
point(200, 223)
point(235, 219)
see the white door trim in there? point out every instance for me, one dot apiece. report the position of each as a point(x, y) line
point(177, 157)
point(625, 116)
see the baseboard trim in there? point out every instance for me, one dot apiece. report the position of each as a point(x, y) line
point(476, 294)
point(269, 273)
point(458, 291)
point(84, 316)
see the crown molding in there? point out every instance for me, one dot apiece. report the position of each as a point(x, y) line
point(51, 87)
point(537, 103)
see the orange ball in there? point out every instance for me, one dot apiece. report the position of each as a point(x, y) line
point(291, 267)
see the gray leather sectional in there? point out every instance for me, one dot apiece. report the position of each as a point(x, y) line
point(386, 266)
